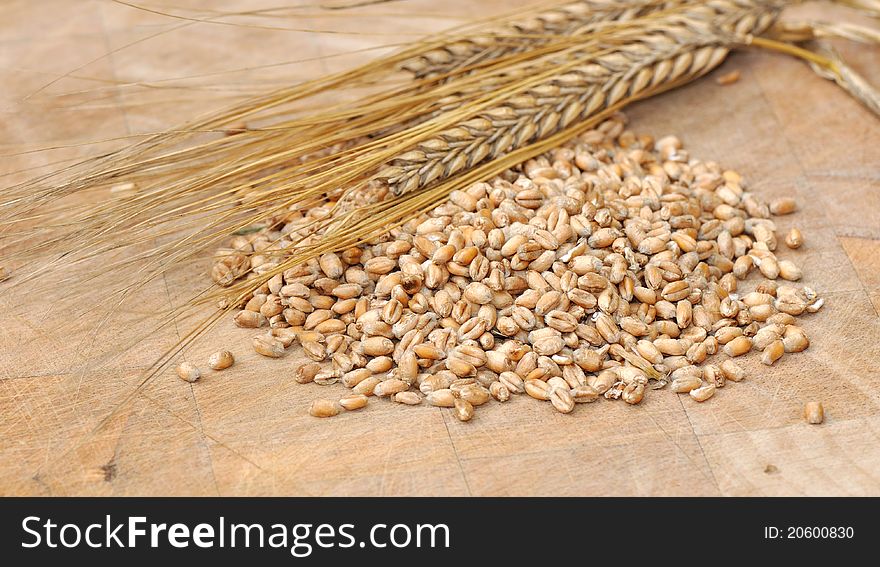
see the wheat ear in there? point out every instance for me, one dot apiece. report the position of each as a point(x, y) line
point(578, 84)
point(519, 35)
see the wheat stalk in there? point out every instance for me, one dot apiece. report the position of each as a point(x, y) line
point(826, 62)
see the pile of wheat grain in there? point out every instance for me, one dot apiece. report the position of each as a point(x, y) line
point(605, 267)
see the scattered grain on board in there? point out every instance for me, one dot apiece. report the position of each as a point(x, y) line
point(608, 267)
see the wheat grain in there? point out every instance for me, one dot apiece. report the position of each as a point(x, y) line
point(221, 360)
point(703, 393)
point(188, 372)
point(794, 239)
point(354, 402)
point(323, 408)
point(814, 413)
point(728, 78)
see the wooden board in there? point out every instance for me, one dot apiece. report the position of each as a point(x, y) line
point(73, 72)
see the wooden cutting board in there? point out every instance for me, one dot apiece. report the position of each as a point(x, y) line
point(93, 70)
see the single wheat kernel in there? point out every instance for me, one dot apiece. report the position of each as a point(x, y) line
point(476, 394)
point(408, 367)
point(390, 387)
point(380, 364)
point(732, 371)
point(738, 346)
point(313, 349)
point(685, 384)
point(562, 400)
point(323, 408)
point(377, 346)
point(326, 378)
point(726, 334)
point(441, 398)
point(794, 239)
point(766, 335)
point(814, 413)
point(353, 402)
point(633, 393)
point(538, 389)
point(603, 381)
point(459, 383)
point(672, 347)
point(772, 352)
point(367, 387)
point(815, 306)
point(221, 360)
point(432, 383)
point(703, 393)
point(769, 267)
point(584, 394)
point(712, 374)
point(783, 206)
point(464, 411)
point(305, 371)
point(499, 391)
point(408, 398)
point(788, 270)
point(794, 339)
point(558, 382)
point(711, 344)
point(268, 346)
point(687, 370)
point(250, 319)
point(742, 266)
point(728, 78)
point(782, 319)
point(513, 382)
point(188, 372)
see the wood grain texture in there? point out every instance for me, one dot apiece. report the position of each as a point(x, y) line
point(246, 431)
